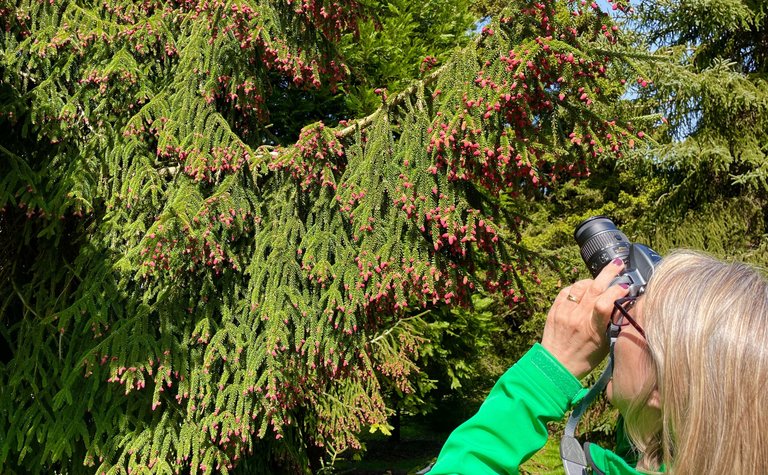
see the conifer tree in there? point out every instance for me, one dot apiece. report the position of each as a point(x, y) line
point(181, 293)
point(705, 184)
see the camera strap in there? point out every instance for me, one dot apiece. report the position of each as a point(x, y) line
point(571, 451)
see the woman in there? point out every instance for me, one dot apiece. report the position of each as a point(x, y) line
point(691, 365)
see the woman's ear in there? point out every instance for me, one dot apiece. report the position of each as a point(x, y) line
point(654, 400)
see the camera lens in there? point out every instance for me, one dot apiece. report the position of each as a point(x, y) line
point(600, 242)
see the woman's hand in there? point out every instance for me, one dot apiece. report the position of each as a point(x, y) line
point(576, 323)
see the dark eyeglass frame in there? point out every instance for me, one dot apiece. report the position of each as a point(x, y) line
point(621, 317)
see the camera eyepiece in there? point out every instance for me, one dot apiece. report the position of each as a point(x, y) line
point(600, 242)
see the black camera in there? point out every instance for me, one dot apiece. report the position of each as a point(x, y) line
point(600, 242)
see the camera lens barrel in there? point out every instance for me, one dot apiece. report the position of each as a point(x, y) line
point(600, 242)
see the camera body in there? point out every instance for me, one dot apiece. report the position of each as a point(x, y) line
point(600, 242)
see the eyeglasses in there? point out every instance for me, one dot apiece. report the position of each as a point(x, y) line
point(620, 316)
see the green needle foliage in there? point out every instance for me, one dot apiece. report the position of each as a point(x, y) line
point(706, 183)
point(180, 294)
point(399, 43)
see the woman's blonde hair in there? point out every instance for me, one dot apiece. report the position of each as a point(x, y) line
point(707, 330)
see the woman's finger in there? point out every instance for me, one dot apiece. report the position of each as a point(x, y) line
point(574, 292)
point(577, 290)
point(605, 277)
point(604, 303)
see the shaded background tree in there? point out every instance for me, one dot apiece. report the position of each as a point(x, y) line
point(711, 162)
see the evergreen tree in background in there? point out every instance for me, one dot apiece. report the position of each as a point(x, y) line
point(187, 286)
point(705, 185)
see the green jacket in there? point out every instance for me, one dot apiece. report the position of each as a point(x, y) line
point(511, 425)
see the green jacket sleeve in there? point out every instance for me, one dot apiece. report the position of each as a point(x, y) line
point(511, 425)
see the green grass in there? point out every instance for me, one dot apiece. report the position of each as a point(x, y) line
point(546, 461)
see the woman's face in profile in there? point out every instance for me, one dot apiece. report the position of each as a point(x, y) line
point(633, 374)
